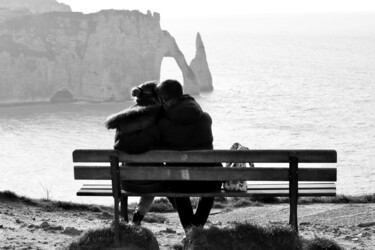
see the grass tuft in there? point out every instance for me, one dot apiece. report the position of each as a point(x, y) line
point(177, 246)
point(50, 205)
point(161, 206)
point(243, 236)
point(339, 199)
point(154, 218)
point(93, 239)
point(103, 238)
point(76, 206)
point(252, 236)
point(257, 201)
point(321, 244)
point(11, 196)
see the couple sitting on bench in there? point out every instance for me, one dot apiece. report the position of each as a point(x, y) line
point(165, 118)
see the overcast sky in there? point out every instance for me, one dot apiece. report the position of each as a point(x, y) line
point(221, 8)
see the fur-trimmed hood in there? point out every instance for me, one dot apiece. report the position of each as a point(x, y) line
point(134, 118)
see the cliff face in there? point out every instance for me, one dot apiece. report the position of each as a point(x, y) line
point(95, 57)
point(34, 6)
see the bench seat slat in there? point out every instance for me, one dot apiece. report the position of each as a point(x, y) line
point(305, 189)
point(315, 185)
point(260, 156)
point(204, 174)
point(252, 193)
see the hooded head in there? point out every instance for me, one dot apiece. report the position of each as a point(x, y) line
point(145, 94)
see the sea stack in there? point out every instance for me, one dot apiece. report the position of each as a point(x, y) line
point(200, 67)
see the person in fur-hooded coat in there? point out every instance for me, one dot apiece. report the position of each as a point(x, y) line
point(137, 132)
point(136, 127)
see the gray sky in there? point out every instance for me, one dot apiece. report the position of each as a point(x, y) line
point(221, 8)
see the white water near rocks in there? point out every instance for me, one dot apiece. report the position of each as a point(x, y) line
point(288, 82)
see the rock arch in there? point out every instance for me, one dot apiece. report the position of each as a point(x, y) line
point(171, 49)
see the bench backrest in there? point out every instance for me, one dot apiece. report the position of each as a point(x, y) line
point(148, 172)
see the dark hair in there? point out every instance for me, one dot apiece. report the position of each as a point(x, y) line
point(145, 94)
point(147, 88)
point(170, 89)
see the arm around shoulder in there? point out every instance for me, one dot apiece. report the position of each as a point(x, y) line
point(139, 142)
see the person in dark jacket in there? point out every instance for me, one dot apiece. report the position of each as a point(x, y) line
point(137, 132)
point(185, 126)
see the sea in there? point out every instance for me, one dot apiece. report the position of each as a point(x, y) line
point(281, 81)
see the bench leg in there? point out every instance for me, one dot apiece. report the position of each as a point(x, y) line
point(115, 173)
point(116, 223)
point(124, 208)
point(293, 192)
point(293, 214)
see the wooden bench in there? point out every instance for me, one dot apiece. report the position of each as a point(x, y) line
point(288, 181)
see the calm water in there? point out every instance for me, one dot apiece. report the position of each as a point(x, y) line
point(301, 81)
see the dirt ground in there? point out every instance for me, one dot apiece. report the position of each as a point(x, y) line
point(28, 227)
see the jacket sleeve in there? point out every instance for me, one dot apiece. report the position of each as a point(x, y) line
point(140, 141)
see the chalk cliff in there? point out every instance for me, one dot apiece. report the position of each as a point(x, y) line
point(7, 13)
point(200, 67)
point(34, 6)
point(95, 57)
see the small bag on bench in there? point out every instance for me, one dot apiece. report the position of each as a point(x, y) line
point(240, 186)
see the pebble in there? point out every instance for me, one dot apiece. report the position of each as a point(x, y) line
point(367, 224)
point(44, 224)
point(106, 215)
point(56, 228)
point(365, 234)
point(304, 223)
point(217, 223)
point(72, 231)
point(168, 230)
